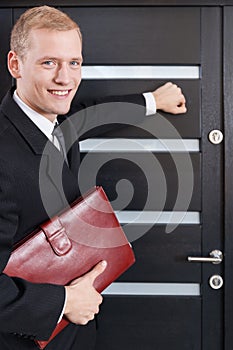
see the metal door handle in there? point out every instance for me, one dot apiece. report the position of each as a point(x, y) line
point(216, 257)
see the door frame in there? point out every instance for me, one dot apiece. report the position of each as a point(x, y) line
point(228, 127)
point(212, 174)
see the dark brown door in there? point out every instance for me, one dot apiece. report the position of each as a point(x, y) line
point(163, 302)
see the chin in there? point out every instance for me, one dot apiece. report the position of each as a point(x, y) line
point(63, 111)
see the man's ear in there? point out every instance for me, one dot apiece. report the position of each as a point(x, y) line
point(13, 64)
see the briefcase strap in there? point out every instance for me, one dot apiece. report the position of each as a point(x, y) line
point(57, 236)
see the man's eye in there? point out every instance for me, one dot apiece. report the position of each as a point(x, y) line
point(48, 63)
point(75, 63)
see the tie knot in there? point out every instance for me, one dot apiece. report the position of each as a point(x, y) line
point(56, 130)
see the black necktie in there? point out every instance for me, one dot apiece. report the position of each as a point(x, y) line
point(60, 138)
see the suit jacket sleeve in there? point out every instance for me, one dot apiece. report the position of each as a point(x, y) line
point(25, 308)
point(92, 118)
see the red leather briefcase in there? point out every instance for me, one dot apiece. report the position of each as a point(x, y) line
point(70, 244)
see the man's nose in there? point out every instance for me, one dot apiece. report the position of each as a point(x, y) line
point(62, 74)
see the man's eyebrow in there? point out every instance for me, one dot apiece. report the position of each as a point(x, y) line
point(47, 58)
point(77, 59)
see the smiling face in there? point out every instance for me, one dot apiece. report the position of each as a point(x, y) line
point(50, 73)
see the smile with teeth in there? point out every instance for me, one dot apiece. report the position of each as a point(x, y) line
point(59, 92)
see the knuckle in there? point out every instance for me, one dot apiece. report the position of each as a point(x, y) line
point(182, 98)
point(83, 321)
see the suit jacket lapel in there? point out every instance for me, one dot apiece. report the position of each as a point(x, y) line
point(28, 130)
point(53, 161)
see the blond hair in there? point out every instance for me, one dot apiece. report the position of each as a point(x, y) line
point(42, 17)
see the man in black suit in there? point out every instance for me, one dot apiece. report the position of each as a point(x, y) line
point(45, 59)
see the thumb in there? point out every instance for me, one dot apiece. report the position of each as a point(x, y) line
point(97, 270)
point(181, 109)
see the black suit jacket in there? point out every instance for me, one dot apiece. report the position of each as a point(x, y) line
point(30, 192)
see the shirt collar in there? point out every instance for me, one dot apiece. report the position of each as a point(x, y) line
point(44, 124)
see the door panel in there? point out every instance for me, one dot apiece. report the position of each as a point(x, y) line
point(167, 265)
point(162, 257)
point(188, 126)
point(169, 317)
point(131, 30)
point(130, 315)
point(146, 172)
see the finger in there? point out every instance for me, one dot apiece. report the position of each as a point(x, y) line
point(183, 109)
point(169, 83)
point(89, 316)
point(83, 322)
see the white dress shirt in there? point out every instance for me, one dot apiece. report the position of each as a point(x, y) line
point(150, 103)
point(44, 124)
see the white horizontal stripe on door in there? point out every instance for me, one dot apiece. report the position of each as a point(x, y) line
point(139, 145)
point(140, 72)
point(157, 217)
point(125, 288)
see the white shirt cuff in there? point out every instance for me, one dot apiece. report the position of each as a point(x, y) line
point(150, 103)
point(62, 313)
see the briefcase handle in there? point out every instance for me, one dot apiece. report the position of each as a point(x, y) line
point(57, 236)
